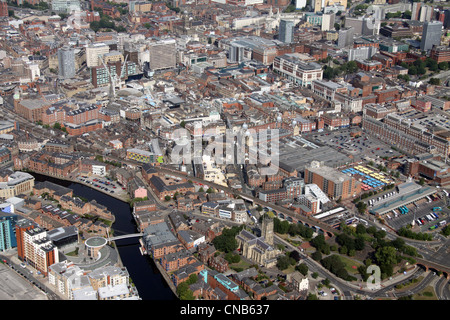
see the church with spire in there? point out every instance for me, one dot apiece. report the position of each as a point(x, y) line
point(259, 250)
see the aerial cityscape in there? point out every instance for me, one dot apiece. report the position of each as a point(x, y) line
point(231, 150)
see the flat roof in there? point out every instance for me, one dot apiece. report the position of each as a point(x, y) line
point(95, 242)
point(402, 200)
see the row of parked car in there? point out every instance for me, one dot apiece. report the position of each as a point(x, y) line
point(101, 184)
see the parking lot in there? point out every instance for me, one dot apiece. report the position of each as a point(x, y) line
point(366, 147)
point(416, 212)
point(103, 184)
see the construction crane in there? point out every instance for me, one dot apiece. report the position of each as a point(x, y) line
point(114, 79)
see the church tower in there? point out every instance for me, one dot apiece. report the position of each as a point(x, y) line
point(267, 230)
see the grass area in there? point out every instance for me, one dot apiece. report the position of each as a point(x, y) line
point(287, 238)
point(72, 254)
point(409, 284)
point(349, 263)
point(241, 264)
point(426, 294)
point(289, 270)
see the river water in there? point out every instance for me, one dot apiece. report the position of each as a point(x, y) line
point(143, 272)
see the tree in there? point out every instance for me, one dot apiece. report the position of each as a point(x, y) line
point(225, 243)
point(446, 231)
point(443, 65)
point(360, 244)
point(360, 229)
point(351, 67)
point(280, 226)
point(167, 198)
point(435, 81)
point(317, 255)
point(343, 250)
point(184, 292)
point(193, 278)
point(362, 269)
point(295, 255)
point(312, 296)
point(318, 241)
point(407, 14)
point(302, 268)
point(95, 25)
point(421, 70)
point(371, 230)
point(232, 258)
point(422, 181)
point(283, 262)
point(398, 243)
point(386, 256)
point(187, 295)
point(412, 70)
point(380, 234)
point(335, 265)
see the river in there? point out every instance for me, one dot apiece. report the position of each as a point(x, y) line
point(143, 272)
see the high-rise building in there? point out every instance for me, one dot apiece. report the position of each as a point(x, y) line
point(426, 13)
point(328, 21)
point(431, 35)
point(361, 53)
point(22, 226)
point(286, 31)
point(40, 252)
point(163, 55)
point(447, 18)
point(3, 8)
point(345, 38)
point(370, 26)
point(66, 63)
point(7, 231)
point(100, 76)
point(93, 52)
point(415, 10)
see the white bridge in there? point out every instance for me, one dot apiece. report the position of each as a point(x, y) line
point(125, 236)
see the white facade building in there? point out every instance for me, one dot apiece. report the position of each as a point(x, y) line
point(93, 52)
point(297, 71)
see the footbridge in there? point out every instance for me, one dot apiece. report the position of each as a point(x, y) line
point(125, 236)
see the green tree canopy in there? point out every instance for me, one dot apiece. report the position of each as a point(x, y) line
point(386, 256)
point(302, 268)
